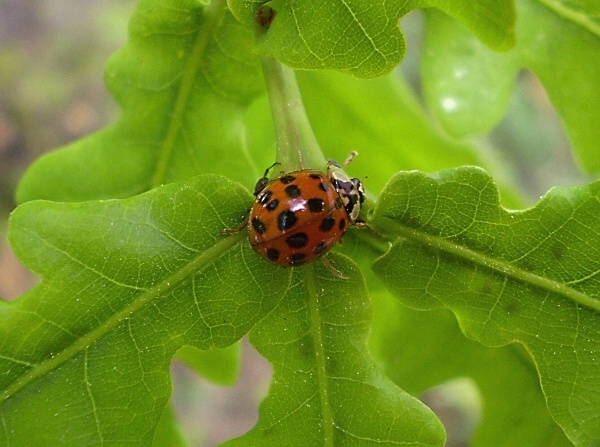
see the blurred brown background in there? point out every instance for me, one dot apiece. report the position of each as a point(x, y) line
point(51, 90)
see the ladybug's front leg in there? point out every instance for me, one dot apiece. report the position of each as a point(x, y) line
point(345, 163)
point(332, 269)
point(361, 224)
point(238, 229)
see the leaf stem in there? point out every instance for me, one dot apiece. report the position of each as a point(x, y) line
point(297, 147)
point(212, 16)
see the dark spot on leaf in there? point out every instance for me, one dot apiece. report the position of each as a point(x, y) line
point(265, 16)
point(512, 307)
point(558, 251)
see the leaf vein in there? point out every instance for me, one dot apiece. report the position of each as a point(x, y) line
point(203, 259)
point(499, 265)
point(576, 17)
point(320, 357)
point(91, 396)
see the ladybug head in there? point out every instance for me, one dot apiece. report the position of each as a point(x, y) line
point(260, 185)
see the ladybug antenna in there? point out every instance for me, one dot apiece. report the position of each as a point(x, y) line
point(264, 180)
point(269, 168)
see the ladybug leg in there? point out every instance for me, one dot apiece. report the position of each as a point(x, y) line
point(332, 269)
point(334, 163)
point(350, 158)
point(238, 229)
point(345, 163)
point(361, 225)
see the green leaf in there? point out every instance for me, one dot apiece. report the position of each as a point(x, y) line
point(180, 87)
point(468, 87)
point(221, 366)
point(528, 276)
point(391, 134)
point(125, 283)
point(360, 37)
point(514, 408)
point(167, 433)
point(326, 390)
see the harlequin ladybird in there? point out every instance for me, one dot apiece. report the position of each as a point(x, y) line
point(299, 216)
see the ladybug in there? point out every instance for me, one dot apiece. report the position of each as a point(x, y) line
point(299, 216)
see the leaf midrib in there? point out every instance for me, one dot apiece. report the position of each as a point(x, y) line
point(488, 262)
point(320, 357)
point(203, 259)
point(579, 18)
point(213, 14)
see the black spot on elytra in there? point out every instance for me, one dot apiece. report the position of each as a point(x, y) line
point(286, 220)
point(264, 197)
point(316, 205)
point(327, 223)
point(297, 240)
point(258, 225)
point(292, 191)
point(315, 176)
point(287, 179)
point(273, 254)
point(272, 205)
point(320, 248)
point(297, 262)
point(324, 186)
point(297, 256)
point(342, 224)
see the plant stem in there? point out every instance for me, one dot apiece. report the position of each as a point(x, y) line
point(297, 147)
